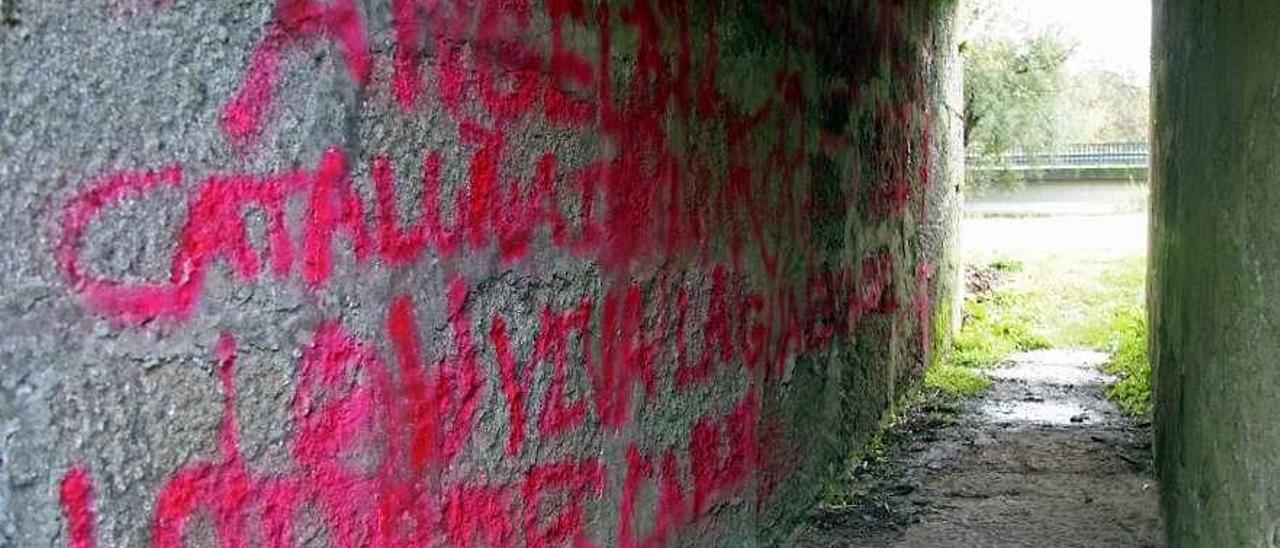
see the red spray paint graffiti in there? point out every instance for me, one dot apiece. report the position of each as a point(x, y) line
point(76, 495)
point(296, 22)
point(558, 414)
point(689, 183)
point(347, 403)
point(645, 179)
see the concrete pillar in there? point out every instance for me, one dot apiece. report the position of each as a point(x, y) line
point(1215, 270)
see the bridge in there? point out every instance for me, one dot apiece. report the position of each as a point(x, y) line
point(1122, 161)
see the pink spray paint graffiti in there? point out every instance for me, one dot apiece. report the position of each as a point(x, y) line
point(740, 291)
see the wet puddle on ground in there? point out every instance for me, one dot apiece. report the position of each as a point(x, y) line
point(1054, 367)
point(1039, 388)
point(1033, 412)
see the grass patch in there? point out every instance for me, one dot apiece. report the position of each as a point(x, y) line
point(1076, 304)
point(955, 380)
point(995, 324)
point(1056, 302)
point(1100, 306)
point(993, 328)
point(1005, 264)
point(1128, 345)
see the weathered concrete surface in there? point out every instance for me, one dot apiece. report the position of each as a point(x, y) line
point(491, 272)
point(1214, 259)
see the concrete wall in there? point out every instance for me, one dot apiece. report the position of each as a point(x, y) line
point(1214, 264)
point(462, 272)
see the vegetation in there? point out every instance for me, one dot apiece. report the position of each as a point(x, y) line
point(1129, 361)
point(1011, 94)
point(994, 326)
point(1102, 106)
point(956, 381)
point(1049, 302)
point(1012, 91)
point(1019, 97)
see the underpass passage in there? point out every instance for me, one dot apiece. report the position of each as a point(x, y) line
point(1040, 459)
point(462, 272)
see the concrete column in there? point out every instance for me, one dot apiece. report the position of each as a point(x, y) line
point(1215, 270)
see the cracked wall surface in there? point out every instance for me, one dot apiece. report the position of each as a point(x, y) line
point(461, 272)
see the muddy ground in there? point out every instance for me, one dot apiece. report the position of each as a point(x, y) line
point(1042, 459)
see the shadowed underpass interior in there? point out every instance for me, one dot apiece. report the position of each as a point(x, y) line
point(636, 273)
point(1042, 455)
point(1035, 429)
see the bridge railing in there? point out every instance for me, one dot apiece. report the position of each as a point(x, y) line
point(1083, 156)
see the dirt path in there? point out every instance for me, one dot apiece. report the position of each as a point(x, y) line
point(1042, 459)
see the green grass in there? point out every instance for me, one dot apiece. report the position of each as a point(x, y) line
point(955, 380)
point(994, 328)
point(1128, 344)
point(1055, 302)
point(1074, 303)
